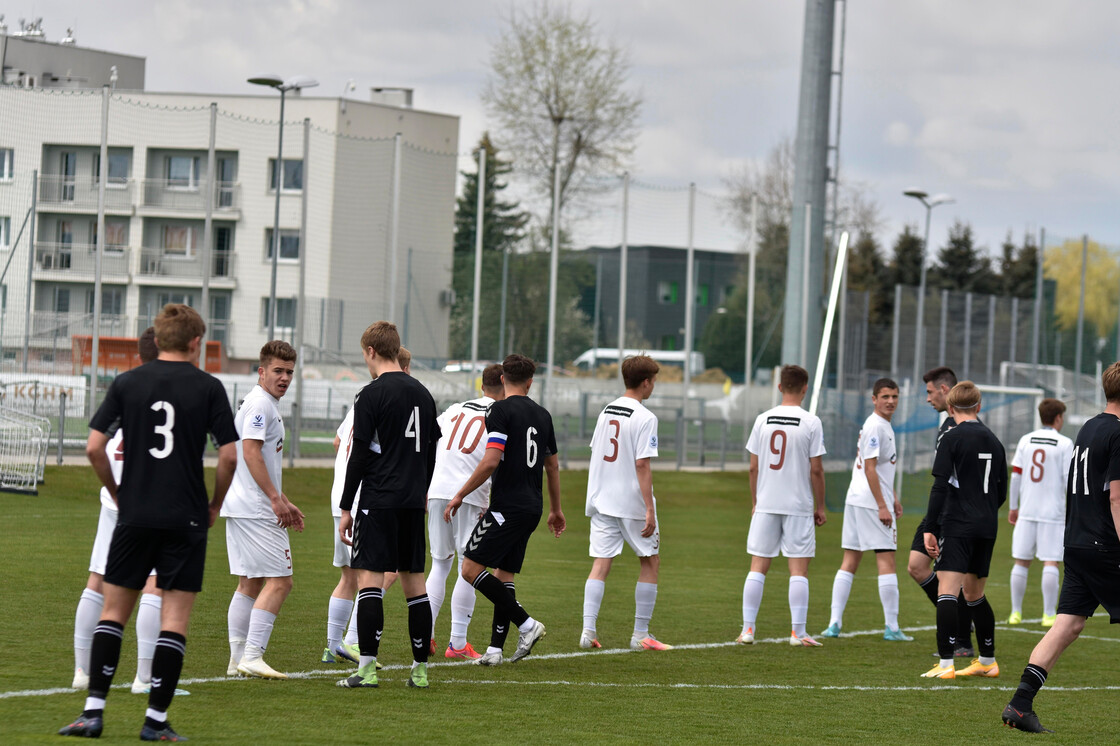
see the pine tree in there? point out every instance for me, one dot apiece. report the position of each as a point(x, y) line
point(503, 225)
point(961, 266)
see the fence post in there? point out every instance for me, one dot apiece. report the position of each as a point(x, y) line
point(35, 400)
point(564, 443)
point(297, 419)
point(701, 434)
point(681, 442)
point(967, 335)
point(61, 423)
point(723, 446)
point(583, 414)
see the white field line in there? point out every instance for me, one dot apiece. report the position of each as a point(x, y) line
point(328, 673)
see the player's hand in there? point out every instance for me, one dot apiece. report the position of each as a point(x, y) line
point(556, 523)
point(931, 545)
point(651, 524)
point(897, 508)
point(452, 508)
point(345, 528)
point(820, 517)
point(1013, 516)
point(213, 510)
point(885, 516)
point(297, 515)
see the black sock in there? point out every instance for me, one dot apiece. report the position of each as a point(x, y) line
point(371, 619)
point(964, 622)
point(985, 618)
point(502, 598)
point(946, 626)
point(104, 655)
point(499, 627)
point(420, 626)
point(1032, 680)
point(167, 664)
point(929, 585)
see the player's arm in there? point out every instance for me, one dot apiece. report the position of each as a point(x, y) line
point(1114, 504)
point(337, 443)
point(754, 481)
point(491, 457)
point(251, 452)
point(99, 460)
point(816, 479)
point(870, 466)
point(556, 521)
point(1013, 495)
point(644, 473)
point(223, 476)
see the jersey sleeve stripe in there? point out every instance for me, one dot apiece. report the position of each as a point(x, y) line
point(496, 440)
point(1016, 470)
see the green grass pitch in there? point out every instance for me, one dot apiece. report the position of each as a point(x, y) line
point(858, 688)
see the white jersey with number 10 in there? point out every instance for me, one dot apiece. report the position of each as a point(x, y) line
point(460, 450)
point(784, 439)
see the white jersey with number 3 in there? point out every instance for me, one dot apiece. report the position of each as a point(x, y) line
point(784, 439)
point(1042, 460)
point(460, 450)
point(625, 432)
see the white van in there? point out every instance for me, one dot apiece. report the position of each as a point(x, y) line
point(597, 356)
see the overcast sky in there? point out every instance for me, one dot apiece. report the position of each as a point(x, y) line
point(1008, 105)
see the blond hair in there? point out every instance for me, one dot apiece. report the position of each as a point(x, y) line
point(964, 396)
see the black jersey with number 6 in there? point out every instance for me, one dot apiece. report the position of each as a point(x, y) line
point(970, 483)
point(522, 430)
point(1096, 463)
point(396, 415)
point(166, 408)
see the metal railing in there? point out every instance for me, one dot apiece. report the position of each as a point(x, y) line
point(167, 263)
point(178, 194)
point(81, 259)
point(80, 192)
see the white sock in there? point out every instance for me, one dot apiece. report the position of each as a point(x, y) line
point(888, 596)
point(798, 603)
point(365, 660)
point(593, 591)
point(436, 586)
point(147, 632)
point(462, 609)
point(752, 598)
point(260, 630)
point(987, 660)
point(159, 717)
point(338, 611)
point(1050, 590)
point(841, 589)
point(1018, 587)
point(237, 618)
point(527, 625)
point(645, 596)
point(491, 649)
point(351, 637)
point(85, 621)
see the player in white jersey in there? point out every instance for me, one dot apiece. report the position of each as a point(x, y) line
point(870, 512)
point(620, 502)
point(91, 601)
point(787, 501)
point(458, 454)
point(1038, 508)
point(258, 515)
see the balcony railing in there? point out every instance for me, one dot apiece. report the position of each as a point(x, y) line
point(175, 194)
point(166, 263)
point(57, 324)
point(80, 259)
point(80, 192)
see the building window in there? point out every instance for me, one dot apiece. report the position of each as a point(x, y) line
point(182, 171)
point(5, 233)
point(668, 342)
point(285, 313)
point(119, 164)
point(62, 300)
point(116, 233)
point(667, 292)
point(7, 163)
point(293, 174)
point(171, 297)
point(112, 301)
point(289, 245)
point(702, 295)
point(180, 240)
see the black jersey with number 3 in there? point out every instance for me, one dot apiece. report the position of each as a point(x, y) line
point(166, 408)
point(1096, 462)
point(522, 429)
point(970, 483)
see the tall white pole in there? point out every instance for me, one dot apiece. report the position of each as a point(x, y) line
point(553, 272)
point(748, 382)
point(834, 294)
point(808, 253)
point(207, 261)
point(99, 249)
point(689, 291)
point(394, 226)
point(479, 219)
point(276, 224)
point(301, 296)
point(30, 267)
point(623, 250)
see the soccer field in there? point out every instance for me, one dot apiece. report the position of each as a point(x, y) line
point(857, 688)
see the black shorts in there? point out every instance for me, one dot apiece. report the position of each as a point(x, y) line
point(919, 543)
point(972, 556)
point(177, 556)
point(389, 540)
point(499, 540)
point(1092, 580)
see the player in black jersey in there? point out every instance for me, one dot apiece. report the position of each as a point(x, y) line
point(970, 483)
point(520, 444)
point(393, 456)
point(920, 566)
point(1092, 549)
point(166, 408)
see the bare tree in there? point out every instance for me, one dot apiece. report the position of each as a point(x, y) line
point(556, 92)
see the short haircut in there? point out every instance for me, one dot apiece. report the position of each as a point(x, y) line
point(404, 357)
point(382, 336)
point(1049, 409)
point(176, 325)
point(518, 369)
point(277, 349)
point(964, 396)
point(1110, 380)
point(492, 377)
point(943, 376)
point(883, 383)
point(638, 368)
point(793, 378)
point(147, 346)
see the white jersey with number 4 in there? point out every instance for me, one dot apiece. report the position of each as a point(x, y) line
point(876, 440)
point(784, 439)
point(625, 432)
point(258, 418)
point(460, 450)
point(1042, 461)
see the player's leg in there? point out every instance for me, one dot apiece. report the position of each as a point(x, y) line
point(1019, 574)
point(951, 567)
point(645, 598)
point(167, 661)
point(1050, 585)
point(268, 557)
point(889, 596)
point(763, 542)
point(86, 617)
point(799, 545)
point(1019, 712)
point(1024, 538)
point(462, 596)
point(980, 610)
point(604, 544)
point(1051, 547)
point(841, 589)
point(920, 565)
point(442, 542)
point(241, 604)
point(411, 553)
point(340, 609)
point(147, 634)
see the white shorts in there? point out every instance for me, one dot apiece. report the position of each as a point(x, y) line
point(864, 532)
point(1031, 539)
point(258, 548)
point(106, 522)
point(341, 551)
point(794, 534)
point(448, 539)
point(608, 532)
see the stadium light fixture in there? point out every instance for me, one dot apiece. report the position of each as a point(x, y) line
point(294, 83)
point(919, 336)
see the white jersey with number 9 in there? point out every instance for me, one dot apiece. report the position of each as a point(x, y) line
point(784, 439)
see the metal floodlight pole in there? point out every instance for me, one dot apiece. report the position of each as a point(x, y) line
point(300, 298)
point(99, 249)
point(476, 303)
point(208, 227)
point(623, 268)
point(30, 266)
point(394, 226)
point(553, 272)
point(748, 362)
point(689, 294)
point(919, 337)
point(1036, 317)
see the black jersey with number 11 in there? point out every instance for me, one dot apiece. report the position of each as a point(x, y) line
point(1096, 463)
point(522, 430)
point(166, 408)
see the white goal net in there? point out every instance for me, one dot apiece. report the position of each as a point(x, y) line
point(23, 450)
